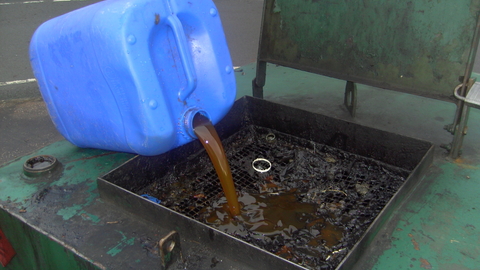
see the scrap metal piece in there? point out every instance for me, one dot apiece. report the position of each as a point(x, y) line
point(270, 137)
point(260, 168)
point(170, 249)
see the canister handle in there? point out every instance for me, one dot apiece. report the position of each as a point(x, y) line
point(185, 56)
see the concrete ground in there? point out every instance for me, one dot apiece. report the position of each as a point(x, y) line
point(24, 122)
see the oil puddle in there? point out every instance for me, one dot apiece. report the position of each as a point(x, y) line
point(311, 207)
point(280, 220)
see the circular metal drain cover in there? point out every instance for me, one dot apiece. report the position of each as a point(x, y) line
point(39, 164)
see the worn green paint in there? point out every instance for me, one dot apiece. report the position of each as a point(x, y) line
point(14, 184)
point(87, 216)
point(428, 215)
point(69, 212)
point(124, 242)
point(77, 169)
point(167, 257)
point(421, 47)
point(441, 227)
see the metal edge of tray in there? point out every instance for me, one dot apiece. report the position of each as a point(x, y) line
point(384, 146)
point(192, 230)
point(161, 215)
point(385, 216)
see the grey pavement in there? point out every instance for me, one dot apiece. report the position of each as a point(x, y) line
point(24, 122)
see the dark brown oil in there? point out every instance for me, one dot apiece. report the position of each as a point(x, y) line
point(270, 214)
point(311, 208)
point(207, 134)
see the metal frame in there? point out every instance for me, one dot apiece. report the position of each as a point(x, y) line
point(275, 39)
point(407, 153)
point(459, 126)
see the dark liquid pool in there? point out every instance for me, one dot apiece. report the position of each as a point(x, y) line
point(311, 207)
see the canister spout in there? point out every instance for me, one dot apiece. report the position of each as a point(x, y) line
point(188, 117)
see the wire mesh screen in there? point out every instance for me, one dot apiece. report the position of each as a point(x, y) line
point(310, 206)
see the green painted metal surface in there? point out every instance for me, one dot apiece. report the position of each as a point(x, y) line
point(16, 186)
point(47, 218)
point(421, 47)
point(70, 216)
point(439, 228)
point(36, 250)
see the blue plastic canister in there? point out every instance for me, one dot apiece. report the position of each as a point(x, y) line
point(129, 75)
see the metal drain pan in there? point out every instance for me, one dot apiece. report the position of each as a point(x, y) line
point(404, 158)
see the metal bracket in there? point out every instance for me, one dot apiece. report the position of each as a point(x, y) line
point(170, 249)
point(459, 127)
point(350, 98)
point(472, 99)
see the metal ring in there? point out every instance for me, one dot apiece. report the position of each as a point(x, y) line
point(261, 170)
point(270, 137)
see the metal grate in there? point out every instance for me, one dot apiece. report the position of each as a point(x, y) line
point(348, 190)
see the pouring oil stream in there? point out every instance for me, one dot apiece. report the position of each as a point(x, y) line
point(208, 136)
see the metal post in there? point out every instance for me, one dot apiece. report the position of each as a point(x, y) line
point(259, 81)
point(350, 98)
point(459, 125)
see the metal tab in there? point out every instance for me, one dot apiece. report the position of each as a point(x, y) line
point(170, 249)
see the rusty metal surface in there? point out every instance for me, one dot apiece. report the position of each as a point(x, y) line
point(421, 47)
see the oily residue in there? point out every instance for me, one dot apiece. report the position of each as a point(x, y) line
point(275, 214)
point(311, 207)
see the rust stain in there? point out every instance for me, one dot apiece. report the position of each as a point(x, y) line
point(416, 246)
point(199, 196)
point(285, 252)
point(465, 164)
point(425, 264)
